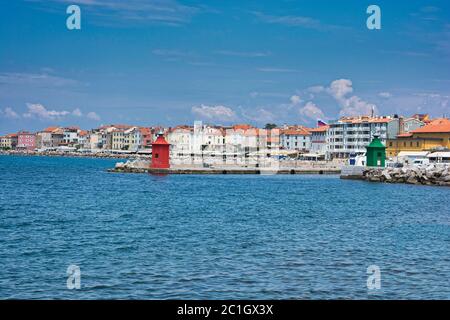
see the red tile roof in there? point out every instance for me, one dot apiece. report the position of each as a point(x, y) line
point(82, 133)
point(404, 135)
point(319, 129)
point(295, 132)
point(145, 131)
point(242, 127)
point(441, 125)
point(51, 129)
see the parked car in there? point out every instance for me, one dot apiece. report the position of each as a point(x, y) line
point(420, 162)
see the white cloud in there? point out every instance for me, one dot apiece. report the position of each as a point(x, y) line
point(214, 112)
point(9, 113)
point(385, 95)
point(295, 99)
point(340, 88)
point(36, 110)
point(77, 112)
point(260, 115)
point(355, 106)
point(310, 110)
point(93, 116)
point(435, 101)
point(316, 89)
point(350, 106)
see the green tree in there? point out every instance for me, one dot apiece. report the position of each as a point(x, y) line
point(270, 126)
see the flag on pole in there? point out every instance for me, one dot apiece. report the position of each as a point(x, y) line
point(321, 123)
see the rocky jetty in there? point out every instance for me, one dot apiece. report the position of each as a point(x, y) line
point(432, 175)
point(132, 166)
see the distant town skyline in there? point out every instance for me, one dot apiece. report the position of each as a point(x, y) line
point(168, 62)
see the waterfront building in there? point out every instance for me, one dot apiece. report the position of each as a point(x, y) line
point(95, 141)
point(26, 140)
point(239, 137)
point(107, 134)
point(83, 139)
point(410, 124)
point(198, 144)
point(295, 138)
point(70, 136)
point(132, 139)
point(247, 145)
point(51, 137)
point(146, 138)
point(180, 139)
point(433, 136)
point(424, 117)
point(234, 145)
point(208, 140)
point(319, 140)
point(118, 139)
point(241, 141)
point(9, 141)
point(351, 135)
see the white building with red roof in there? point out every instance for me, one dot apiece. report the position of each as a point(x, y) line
point(295, 138)
point(351, 135)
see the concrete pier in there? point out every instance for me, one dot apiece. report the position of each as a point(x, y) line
point(262, 171)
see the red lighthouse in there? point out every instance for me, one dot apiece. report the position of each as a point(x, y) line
point(160, 153)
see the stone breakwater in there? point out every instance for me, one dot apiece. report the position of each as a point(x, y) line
point(431, 175)
point(143, 166)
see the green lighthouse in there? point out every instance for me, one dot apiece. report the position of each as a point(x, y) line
point(376, 153)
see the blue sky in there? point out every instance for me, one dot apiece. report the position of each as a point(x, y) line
point(169, 62)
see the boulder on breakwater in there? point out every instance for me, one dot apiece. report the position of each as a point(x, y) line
point(432, 175)
point(136, 166)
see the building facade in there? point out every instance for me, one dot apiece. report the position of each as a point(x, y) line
point(70, 137)
point(146, 138)
point(410, 124)
point(319, 140)
point(132, 139)
point(118, 139)
point(26, 141)
point(433, 136)
point(9, 141)
point(51, 137)
point(351, 135)
point(297, 138)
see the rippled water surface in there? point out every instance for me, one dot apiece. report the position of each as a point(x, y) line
point(215, 237)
